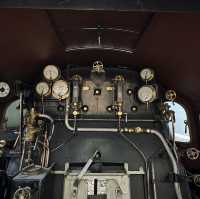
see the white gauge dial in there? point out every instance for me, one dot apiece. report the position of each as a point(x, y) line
point(60, 89)
point(42, 89)
point(51, 72)
point(4, 89)
point(147, 94)
point(147, 74)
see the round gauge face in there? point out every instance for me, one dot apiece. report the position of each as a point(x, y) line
point(4, 89)
point(147, 74)
point(147, 94)
point(51, 72)
point(60, 89)
point(42, 89)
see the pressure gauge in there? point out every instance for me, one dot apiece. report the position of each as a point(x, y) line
point(51, 72)
point(42, 89)
point(147, 94)
point(60, 89)
point(147, 74)
point(4, 89)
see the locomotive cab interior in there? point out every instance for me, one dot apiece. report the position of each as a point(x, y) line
point(99, 101)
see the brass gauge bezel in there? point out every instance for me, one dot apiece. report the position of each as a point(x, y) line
point(153, 90)
point(51, 79)
point(47, 93)
point(151, 74)
point(55, 94)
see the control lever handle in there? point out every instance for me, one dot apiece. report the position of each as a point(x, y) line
point(95, 155)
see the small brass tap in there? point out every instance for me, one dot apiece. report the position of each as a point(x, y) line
point(75, 113)
point(119, 111)
point(76, 108)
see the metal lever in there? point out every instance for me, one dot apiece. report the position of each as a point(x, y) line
point(186, 126)
point(85, 168)
point(82, 173)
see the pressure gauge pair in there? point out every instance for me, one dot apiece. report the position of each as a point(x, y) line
point(147, 93)
point(60, 88)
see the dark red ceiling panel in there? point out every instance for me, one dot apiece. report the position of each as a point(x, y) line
point(27, 40)
point(99, 29)
point(171, 45)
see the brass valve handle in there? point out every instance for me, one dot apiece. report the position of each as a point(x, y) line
point(196, 180)
point(24, 193)
point(170, 95)
point(98, 66)
point(192, 153)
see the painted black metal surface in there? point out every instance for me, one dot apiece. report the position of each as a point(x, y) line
point(76, 147)
point(114, 149)
point(142, 5)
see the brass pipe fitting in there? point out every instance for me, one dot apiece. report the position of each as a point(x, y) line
point(32, 128)
point(119, 111)
point(31, 134)
point(136, 130)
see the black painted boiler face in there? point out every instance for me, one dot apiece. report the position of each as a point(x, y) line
point(107, 140)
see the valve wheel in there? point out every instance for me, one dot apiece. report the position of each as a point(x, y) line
point(98, 66)
point(192, 153)
point(22, 193)
point(170, 95)
point(196, 180)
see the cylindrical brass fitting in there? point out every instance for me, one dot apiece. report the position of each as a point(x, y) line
point(32, 128)
point(133, 130)
point(31, 133)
